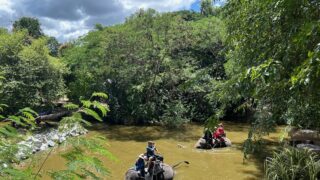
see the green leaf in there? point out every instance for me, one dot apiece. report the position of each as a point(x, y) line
point(16, 119)
point(100, 94)
point(104, 108)
point(71, 106)
point(86, 103)
point(29, 110)
point(92, 114)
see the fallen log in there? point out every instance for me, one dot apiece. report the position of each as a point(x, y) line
point(53, 117)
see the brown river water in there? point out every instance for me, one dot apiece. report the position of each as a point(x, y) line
point(127, 142)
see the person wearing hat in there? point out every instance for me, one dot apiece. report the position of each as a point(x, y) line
point(151, 153)
point(139, 165)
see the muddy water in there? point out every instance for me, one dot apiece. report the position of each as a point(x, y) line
point(127, 142)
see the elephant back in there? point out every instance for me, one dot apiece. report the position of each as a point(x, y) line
point(166, 173)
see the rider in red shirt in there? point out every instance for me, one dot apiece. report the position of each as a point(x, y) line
point(219, 132)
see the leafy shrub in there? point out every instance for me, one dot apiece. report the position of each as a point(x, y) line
point(293, 163)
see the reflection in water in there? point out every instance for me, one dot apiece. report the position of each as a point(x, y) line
point(127, 142)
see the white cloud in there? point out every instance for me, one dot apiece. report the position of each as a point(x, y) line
point(5, 6)
point(68, 19)
point(63, 29)
point(160, 5)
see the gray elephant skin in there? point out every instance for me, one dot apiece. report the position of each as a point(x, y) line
point(167, 174)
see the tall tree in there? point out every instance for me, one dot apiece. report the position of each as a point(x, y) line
point(206, 7)
point(32, 76)
point(53, 46)
point(32, 25)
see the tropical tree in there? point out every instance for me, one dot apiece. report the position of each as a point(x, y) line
point(273, 63)
point(32, 76)
point(206, 7)
point(32, 25)
point(150, 65)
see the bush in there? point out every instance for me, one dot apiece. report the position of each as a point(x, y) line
point(293, 163)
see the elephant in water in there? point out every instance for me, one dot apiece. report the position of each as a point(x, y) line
point(161, 171)
point(201, 144)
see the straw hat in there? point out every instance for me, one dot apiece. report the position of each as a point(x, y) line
point(141, 156)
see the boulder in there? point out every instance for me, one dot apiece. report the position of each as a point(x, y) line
point(312, 147)
point(43, 140)
point(304, 135)
point(51, 143)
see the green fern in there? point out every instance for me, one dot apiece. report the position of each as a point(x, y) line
point(100, 95)
point(71, 106)
point(29, 110)
point(81, 165)
point(17, 174)
point(86, 103)
point(92, 113)
point(103, 108)
point(2, 106)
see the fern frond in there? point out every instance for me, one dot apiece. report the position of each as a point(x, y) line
point(90, 174)
point(92, 114)
point(28, 121)
point(71, 106)
point(18, 174)
point(6, 132)
point(2, 106)
point(102, 108)
point(86, 122)
point(27, 109)
point(86, 103)
point(100, 94)
point(17, 120)
point(27, 115)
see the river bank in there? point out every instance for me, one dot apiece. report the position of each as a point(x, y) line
point(127, 142)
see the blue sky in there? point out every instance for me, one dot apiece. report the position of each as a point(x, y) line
point(196, 5)
point(69, 19)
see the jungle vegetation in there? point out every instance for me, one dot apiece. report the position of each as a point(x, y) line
point(259, 60)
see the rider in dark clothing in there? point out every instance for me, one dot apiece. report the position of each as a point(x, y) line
point(139, 166)
point(208, 137)
point(151, 155)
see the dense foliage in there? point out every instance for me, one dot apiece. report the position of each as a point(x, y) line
point(293, 163)
point(79, 164)
point(156, 67)
point(32, 77)
point(251, 57)
point(32, 26)
point(272, 64)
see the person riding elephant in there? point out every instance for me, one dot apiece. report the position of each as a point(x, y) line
point(151, 153)
point(167, 173)
point(208, 137)
point(140, 165)
point(219, 136)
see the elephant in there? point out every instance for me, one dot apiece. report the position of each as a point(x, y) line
point(161, 171)
point(201, 144)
